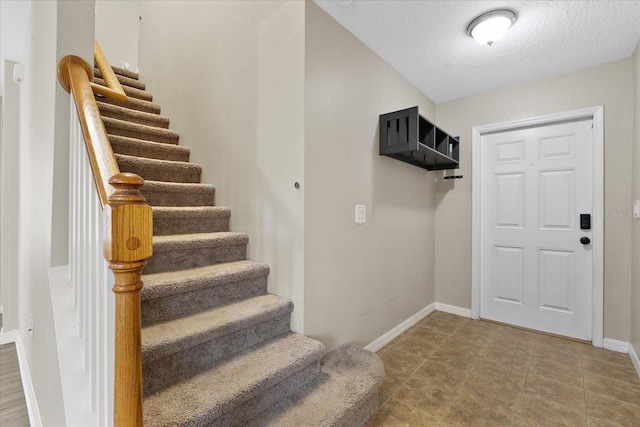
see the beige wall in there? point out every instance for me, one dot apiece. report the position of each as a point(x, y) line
point(635, 281)
point(116, 29)
point(609, 85)
point(230, 76)
point(360, 280)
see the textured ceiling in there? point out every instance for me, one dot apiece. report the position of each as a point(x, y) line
point(426, 41)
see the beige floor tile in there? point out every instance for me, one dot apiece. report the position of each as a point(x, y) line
point(610, 370)
point(623, 391)
point(446, 317)
point(402, 361)
point(450, 355)
point(566, 374)
point(480, 326)
point(440, 326)
point(558, 355)
point(602, 422)
point(558, 392)
point(503, 391)
point(467, 411)
point(537, 411)
point(430, 335)
point(457, 372)
point(613, 410)
point(496, 362)
point(392, 380)
point(432, 400)
point(416, 344)
point(432, 373)
point(520, 334)
point(397, 414)
point(591, 352)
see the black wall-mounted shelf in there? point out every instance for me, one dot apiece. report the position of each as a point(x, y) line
point(407, 136)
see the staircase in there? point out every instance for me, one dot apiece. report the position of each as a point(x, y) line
point(217, 349)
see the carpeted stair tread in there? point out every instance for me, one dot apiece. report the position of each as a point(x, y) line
point(127, 73)
point(160, 193)
point(177, 293)
point(149, 149)
point(132, 115)
point(160, 285)
point(185, 251)
point(169, 220)
point(159, 170)
point(340, 396)
point(198, 240)
point(132, 104)
point(129, 91)
point(124, 80)
point(172, 336)
point(134, 130)
point(250, 374)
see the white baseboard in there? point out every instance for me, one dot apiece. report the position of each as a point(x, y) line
point(27, 385)
point(452, 309)
point(8, 336)
point(615, 345)
point(398, 330)
point(634, 359)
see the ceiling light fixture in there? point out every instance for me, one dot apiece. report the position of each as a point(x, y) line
point(491, 26)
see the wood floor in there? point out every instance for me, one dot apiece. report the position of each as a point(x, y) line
point(13, 408)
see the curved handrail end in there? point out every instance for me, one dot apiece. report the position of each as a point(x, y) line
point(63, 70)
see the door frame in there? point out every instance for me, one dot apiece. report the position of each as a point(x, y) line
point(597, 115)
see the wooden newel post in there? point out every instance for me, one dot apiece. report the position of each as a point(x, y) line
point(127, 245)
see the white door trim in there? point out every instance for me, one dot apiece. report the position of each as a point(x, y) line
point(597, 222)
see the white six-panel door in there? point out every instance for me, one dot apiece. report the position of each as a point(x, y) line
point(535, 272)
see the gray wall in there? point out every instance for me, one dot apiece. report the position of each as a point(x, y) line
point(635, 280)
point(610, 85)
point(230, 76)
point(360, 280)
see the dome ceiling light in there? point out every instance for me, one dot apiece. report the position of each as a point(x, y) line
point(491, 26)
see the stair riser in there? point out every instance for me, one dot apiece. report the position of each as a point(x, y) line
point(164, 372)
point(254, 406)
point(170, 226)
point(160, 309)
point(171, 198)
point(191, 258)
point(130, 91)
point(133, 104)
point(173, 173)
point(123, 80)
point(158, 121)
point(125, 73)
point(146, 136)
point(149, 150)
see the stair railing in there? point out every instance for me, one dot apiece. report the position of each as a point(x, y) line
point(127, 228)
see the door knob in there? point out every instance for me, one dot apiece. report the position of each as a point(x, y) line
point(585, 240)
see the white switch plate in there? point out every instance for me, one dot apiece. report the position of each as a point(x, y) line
point(636, 209)
point(361, 214)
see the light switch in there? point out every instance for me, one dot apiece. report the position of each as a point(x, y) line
point(636, 209)
point(361, 214)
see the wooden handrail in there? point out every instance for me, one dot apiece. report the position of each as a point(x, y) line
point(128, 229)
point(113, 89)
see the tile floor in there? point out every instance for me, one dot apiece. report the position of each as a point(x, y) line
point(453, 371)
